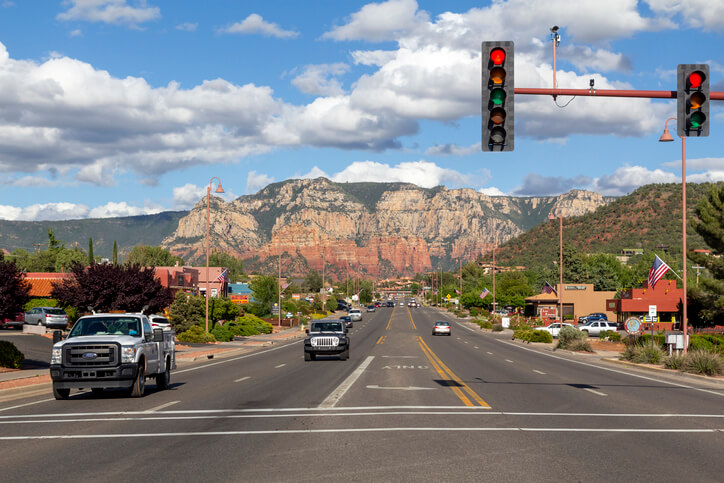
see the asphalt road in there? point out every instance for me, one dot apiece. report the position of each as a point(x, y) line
point(406, 406)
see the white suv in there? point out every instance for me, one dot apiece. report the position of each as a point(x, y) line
point(355, 315)
point(597, 326)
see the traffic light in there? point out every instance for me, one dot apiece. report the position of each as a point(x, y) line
point(692, 100)
point(498, 96)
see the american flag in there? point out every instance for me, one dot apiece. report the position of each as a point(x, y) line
point(457, 291)
point(658, 269)
point(221, 277)
point(285, 285)
point(548, 288)
point(484, 293)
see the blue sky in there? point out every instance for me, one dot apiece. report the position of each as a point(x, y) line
point(125, 107)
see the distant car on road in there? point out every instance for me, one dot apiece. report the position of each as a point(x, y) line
point(598, 326)
point(51, 317)
point(355, 314)
point(555, 328)
point(347, 321)
point(370, 308)
point(591, 317)
point(441, 327)
point(159, 321)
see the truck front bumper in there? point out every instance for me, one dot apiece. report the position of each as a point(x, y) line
point(121, 376)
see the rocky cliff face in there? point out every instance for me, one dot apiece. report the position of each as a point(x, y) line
point(380, 229)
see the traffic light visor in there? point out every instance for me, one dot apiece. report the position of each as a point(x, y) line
point(497, 56)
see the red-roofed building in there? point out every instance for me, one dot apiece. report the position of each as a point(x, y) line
point(635, 302)
point(41, 283)
point(192, 280)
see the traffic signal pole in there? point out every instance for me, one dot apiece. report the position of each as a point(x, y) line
point(716, 96)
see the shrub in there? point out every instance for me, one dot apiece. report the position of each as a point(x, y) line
point(541, 336)
point(674, 361)
point(498, 328)
point(10, 356)
point(648, 355)
point(484, 324)
point(522, 334)
point(474, 311)
point(610, 335)
point(707, 342)
point(568, 337)
point(703, 362)
point(628, 353)
point(196, 334)
point(318, 316)
point(580, 345)
point(645, 340)
point(222, 333)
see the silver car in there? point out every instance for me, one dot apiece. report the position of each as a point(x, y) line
point(597, 326)
point(355, 315)
point(51, 317)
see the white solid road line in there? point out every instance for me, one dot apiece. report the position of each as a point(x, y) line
point(242, 379)
point(721, 394)
point(280, 365)
point(337, 394)
point(599, 393)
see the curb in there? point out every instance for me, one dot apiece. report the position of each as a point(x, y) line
point(672, 372)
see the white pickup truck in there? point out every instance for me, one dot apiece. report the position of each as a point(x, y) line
point(112, 351)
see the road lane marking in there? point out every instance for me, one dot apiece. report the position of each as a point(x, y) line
point(237, 358)
point(445, 377)
point(399, 357)
point(332, 400)
point(476, 347)
point(27, 404)
point(508, 360)
point(490, 353)
point(353, 430)
point(162, 406)
point(411, 321)
point(382, 339)
point(280, 365)
point(720, 394)
point(390, 321)
point(242, 379)
point(599, 393)
point(434, 358)
point(539, 372)
point(402, 388)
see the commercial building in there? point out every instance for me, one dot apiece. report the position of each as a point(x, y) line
point(635, 302)
point(578, 299)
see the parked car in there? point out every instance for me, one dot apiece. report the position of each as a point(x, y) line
point(441, 327)
point(159, 321)
point(347, 321)
point(555, 328)
point(598, 326)
point(355, 314)
point(591, 317)
point(51, 317)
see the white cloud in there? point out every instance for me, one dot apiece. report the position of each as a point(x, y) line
point(535, 184)
point(114, 210)
point(45, 212)
point(492, 191)
point(186, 196)
point(76, 33)
point(627, 178)
point(420, 173)
point(319, 80)
point(256, 181)
point(373, 57)
point(714, 164)
point(703, 14)
point(8, 4)
point(313, 173)
point(255, 24)
point(187, 27)
point(116, 12)
point(452, 150)
point(379, 21)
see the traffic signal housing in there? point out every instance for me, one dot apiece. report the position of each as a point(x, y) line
point(692, 100)
point(498, 81)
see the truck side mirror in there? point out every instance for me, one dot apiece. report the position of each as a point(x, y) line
point(158, 335)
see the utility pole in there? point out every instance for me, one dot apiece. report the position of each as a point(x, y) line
point(697, 268)
point(279, 285)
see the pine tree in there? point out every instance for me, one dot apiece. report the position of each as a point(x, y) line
point(710, 225)
point(91, 259)
point(115, 253)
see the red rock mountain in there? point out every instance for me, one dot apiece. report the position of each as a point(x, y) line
point(379, 229)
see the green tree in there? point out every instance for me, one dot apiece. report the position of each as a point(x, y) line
point(710, 225)
point(233, 264)
point(331, 304)
point(604, 271)
point(221, 309)
point(115, 252)
point(574, 269)
point(152, 256)
point(91, 258)
point(65, 259)
point(264, 289)
point(313, 281)
point(13, 289)
point(187, 310)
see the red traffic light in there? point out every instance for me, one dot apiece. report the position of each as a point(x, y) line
point(695, 79)
point(497, 56)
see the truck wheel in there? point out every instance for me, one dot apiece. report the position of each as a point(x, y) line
point(163, 379)
point(140, 383)
point(307, 356)
point(60, 393)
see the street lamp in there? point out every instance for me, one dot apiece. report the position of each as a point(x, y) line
point(219, 189)
point(560, 263)
point(666, 137)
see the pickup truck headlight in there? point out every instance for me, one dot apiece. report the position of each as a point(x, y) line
point(128, 354)
point(56, 356)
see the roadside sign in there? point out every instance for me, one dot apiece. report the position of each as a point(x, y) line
point(632, 325)
point(652, 312)
point(448, 296)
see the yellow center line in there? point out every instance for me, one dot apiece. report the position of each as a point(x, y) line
point(393, 313)
point(411, 321)
point(381, 340)
point(444, 376)
point(455, 378)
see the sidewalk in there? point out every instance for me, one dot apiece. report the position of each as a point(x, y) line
point(185, 354)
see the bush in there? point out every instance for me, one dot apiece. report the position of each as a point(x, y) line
point(580, 346)
point(474, 311)
point(610, 335)
point(222, 333)
point(628, 353)
point(196, 334)
point(648, 355)
point(484, 324)
point(498, 328)
point(674, 361)
point(707, 342)
point(541, 336)
point(10, 356)
point(703, 362)
point(645, 340)
point(569, 336)
point(522, 334)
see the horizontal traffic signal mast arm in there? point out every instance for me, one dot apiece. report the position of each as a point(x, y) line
point(716, 96)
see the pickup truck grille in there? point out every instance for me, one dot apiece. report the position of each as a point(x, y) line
point(325, 342)
point(79, 355)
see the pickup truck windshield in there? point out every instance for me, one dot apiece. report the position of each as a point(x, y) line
point(107, 326)
point(326, 327)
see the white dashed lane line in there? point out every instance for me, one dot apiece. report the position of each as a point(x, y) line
point(593, 391)
point(280, 365)
point(242, 379)
point(539, 372)
point(508, 360)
